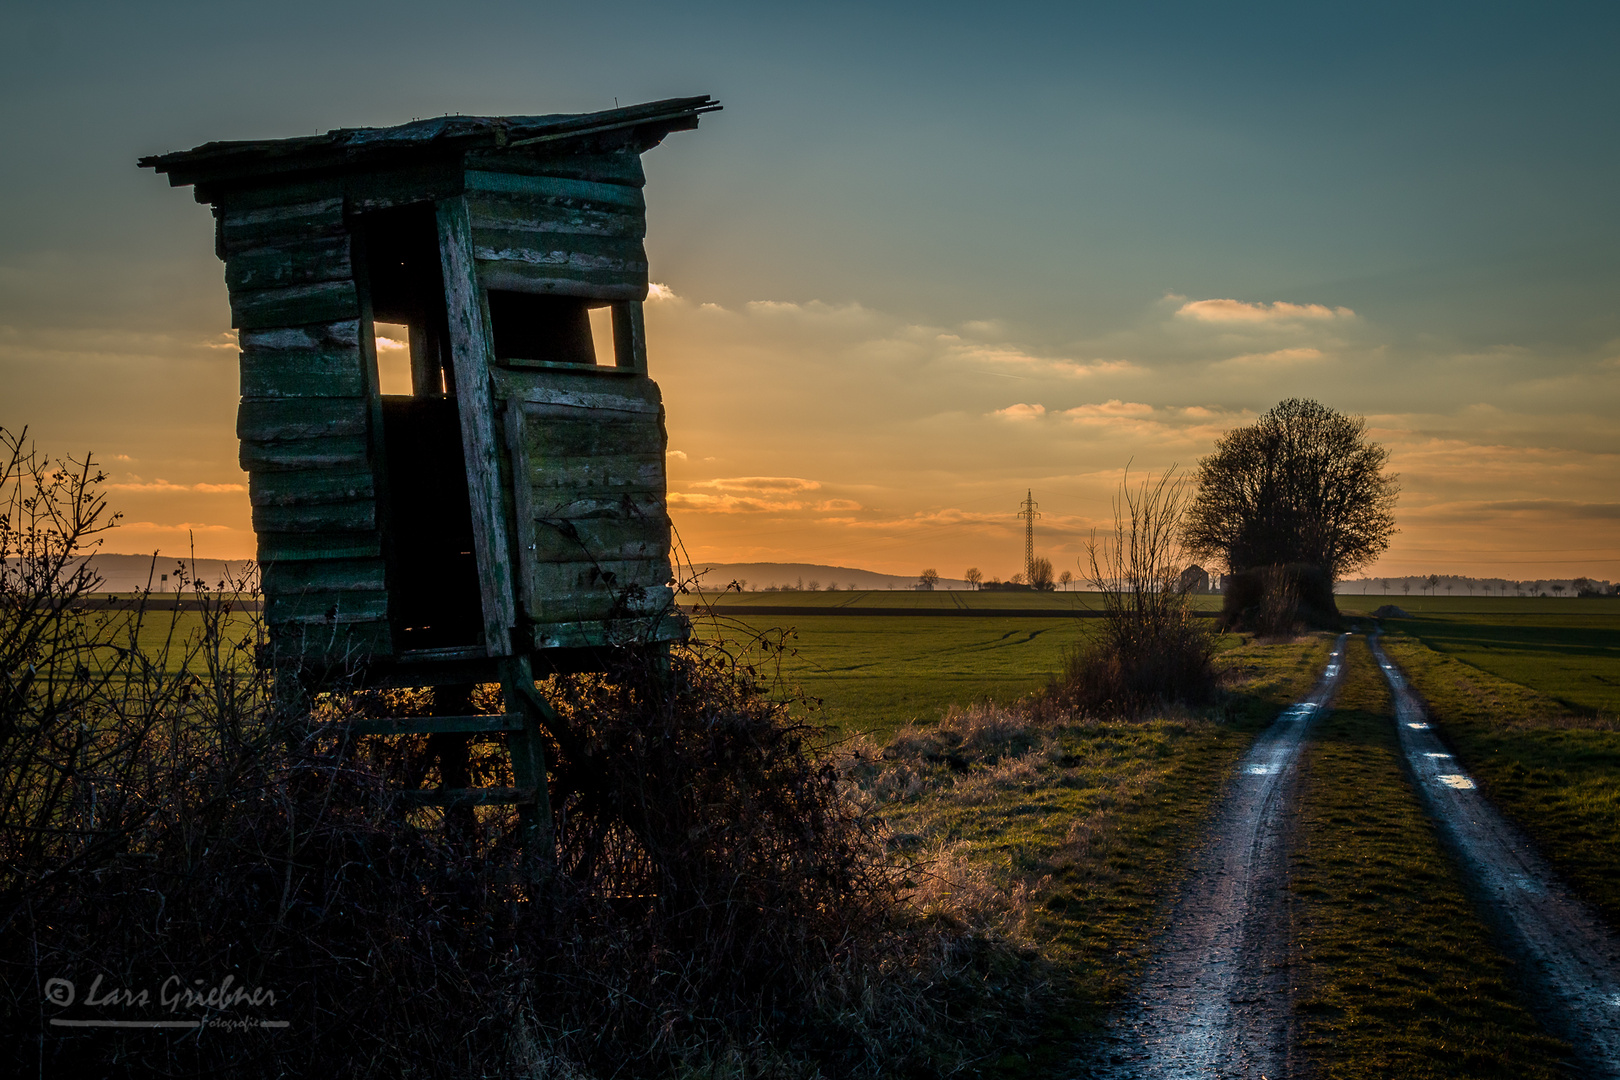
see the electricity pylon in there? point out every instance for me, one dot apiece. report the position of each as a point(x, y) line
point(1029, 512)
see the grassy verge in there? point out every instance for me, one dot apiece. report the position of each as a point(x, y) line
point(1572, 655)
point(1553, 771)
point(1397, 974)
point(1071, 833)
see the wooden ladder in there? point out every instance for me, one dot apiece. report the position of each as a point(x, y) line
point(526, 714)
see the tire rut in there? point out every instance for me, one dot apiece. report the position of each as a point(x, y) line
point(1215, 999)
point(1568, 954)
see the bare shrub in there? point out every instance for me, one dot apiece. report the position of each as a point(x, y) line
point(1152, 649)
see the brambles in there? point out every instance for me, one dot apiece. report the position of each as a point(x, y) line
point(718, 902)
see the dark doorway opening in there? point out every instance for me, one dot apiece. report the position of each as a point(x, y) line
point(432, 571)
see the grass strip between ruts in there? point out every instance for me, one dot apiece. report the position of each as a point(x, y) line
point(1554, 772)
point(1396, 974)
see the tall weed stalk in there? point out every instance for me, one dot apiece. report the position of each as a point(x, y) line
point(1153, 649)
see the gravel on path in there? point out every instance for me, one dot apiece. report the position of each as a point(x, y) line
point(1215, 999)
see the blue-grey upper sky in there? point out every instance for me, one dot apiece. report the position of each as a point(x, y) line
point(1032, 199)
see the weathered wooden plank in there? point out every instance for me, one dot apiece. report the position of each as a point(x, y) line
point(284, 373)
point(561, 251)
point(581, 635)
point(554, 392)
point(470, 353)
point(614, 167)
point(563, 280)
point(294, 305)
point(343, 644)
point(583, 591)
point(316, 337)
point(585, 193)
point(276, 548)
point(577, 436)
point(243, 226)
point(354, 515)
point(527, 216)
point(602, 477)
point(281, 419)
point(307, 487)
point(572, 253)
point(517, 443)
point(603, 540)
point(324, 575)
point(296, 262)
point(570, 505)
point(629, 336)
point(317, 606)
point(331, 452)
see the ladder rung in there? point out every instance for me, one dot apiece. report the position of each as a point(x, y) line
point(478, 796)
point(437, 725)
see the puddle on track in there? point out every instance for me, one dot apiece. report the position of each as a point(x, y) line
point(1215, 1002)
point(1566, 952)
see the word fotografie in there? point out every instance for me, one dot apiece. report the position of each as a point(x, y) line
point(173, 995)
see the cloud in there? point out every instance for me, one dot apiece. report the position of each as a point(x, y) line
point(759, 483)
point(730, 504)
point(388, 344)
point(1021, 412)
point(1274, 359)
point(164, 485)
point(1112, 409)
point(677, 455)
point(1598, 511)
point(1239, 312)
point(657, 292)
point(184, 526)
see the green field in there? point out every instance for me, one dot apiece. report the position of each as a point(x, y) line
point(875, 673)
point(1568, 649)
point(943, 601)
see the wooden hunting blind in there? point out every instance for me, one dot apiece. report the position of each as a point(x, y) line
point(514, 503)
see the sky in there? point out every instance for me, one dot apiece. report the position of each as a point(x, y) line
point(930, 257)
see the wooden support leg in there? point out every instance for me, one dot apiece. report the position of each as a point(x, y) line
point(528, 756)
point(451, 751)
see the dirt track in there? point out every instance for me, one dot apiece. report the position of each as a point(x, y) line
point(1568, 954)
point(1215, 1000)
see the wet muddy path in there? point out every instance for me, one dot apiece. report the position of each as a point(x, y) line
point(1566, 953)
point(1214, 1001)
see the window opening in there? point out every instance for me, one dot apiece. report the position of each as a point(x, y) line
point(539, 329)
point(393, 358)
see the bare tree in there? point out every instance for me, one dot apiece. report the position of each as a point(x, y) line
point(928, 579)
point(1065, 578)
point(1303, 484)
point(1040, 574)
point(973, 577)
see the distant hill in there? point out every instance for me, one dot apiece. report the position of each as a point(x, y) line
point(760, 576)
point(131, 573)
